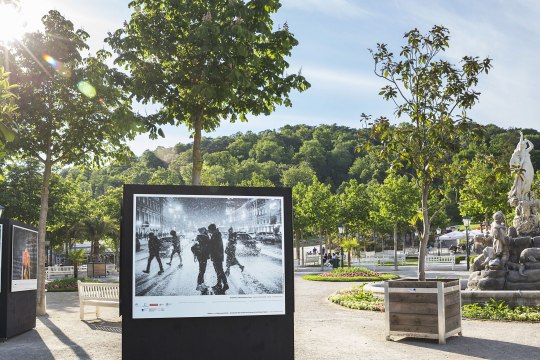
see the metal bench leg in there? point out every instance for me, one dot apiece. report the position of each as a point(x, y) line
point(81, 307)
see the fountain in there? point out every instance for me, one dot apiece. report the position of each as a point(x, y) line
point(512, 263)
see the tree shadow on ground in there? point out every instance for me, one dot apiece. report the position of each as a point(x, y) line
point(76, 348)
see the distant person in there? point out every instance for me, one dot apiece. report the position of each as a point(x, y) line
point(177, 249)
point(314, 251)
point(25, 264)
point(230, 251)
point(201, 253)
point(217, 256)
point(153, 250)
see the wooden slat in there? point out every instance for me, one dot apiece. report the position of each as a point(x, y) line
point(452, 310)
point(452, 298)
point(413, 319)
point(453, 323)
point(415, 329)
point(413, 298)
point(413, 308)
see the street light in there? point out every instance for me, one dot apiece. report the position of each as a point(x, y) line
point(439, 240)
point(341, 230)
point(467, 223)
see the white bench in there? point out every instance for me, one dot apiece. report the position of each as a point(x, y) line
point(389, 258)
point(312, 259)
point(369, 261)
point(98, 294)
point(441, 260)
point(52, 272)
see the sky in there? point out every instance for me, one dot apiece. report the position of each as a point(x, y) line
point(334, 37)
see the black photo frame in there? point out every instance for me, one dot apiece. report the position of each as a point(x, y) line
point(168, 313)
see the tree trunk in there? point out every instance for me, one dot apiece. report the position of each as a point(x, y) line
point(197, 156)
point(425, 235)
point(41, 307)
point(395, 245)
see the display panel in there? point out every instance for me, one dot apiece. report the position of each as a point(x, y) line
point(207, 255)
point(24, 259)
point(1, 235)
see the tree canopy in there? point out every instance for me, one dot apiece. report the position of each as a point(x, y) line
point(206, 61)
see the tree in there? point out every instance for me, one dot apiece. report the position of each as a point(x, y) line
point(301, 173)
point(349, 243)
point(71, 108)
point(206, 61)
point(95, 228)
point(7, 110)
point(397, 198)
point(355, 203)
point(76, 257)
point(428, 91)
point(487, 182)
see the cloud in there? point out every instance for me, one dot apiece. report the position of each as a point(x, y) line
point(333, 8)
point(347, 81)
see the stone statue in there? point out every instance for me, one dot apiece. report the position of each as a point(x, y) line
point(500, 240)
point(514, 261)
point(521, 165)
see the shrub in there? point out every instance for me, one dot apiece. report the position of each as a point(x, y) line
point(499, 310)
point(65, 285)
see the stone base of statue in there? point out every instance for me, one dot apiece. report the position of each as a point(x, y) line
point(520, 272)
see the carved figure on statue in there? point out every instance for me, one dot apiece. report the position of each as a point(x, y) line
point(521, 166)
point(500, 240)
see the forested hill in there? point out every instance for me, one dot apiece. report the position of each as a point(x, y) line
point(283, 157)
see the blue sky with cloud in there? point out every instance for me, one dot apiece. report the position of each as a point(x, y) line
point(334, 36)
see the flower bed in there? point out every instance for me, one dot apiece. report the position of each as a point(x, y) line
point(65, 285)
point(356, 298)
point(351, 274)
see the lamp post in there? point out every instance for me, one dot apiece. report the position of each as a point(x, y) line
point(341, 230)
point(467, 223)
point(1, 210)
point(439, 241)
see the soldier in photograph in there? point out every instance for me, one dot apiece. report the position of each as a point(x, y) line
point(201, 253)
point(177, 249)
point(153, 249)
point(230, 251)
point(217, 255)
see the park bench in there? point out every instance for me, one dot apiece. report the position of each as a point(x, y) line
point(312, 259)
point(388, 257)
point(98, 294)
point(53, 272)
point(368, 261)
point(441, 260)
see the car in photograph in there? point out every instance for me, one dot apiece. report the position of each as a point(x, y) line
point(266, 237)
point(246, 245)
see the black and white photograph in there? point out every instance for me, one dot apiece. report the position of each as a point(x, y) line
point(198, 255)
point(24, 255)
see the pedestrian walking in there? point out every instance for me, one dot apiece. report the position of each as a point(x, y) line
point(217, 255)
point(177, 248)
point(153, 249)
point(201, 254)
point(230, 251)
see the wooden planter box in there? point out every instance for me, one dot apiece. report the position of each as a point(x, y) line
point(423, 309)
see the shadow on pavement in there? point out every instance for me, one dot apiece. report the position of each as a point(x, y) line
point(78, 350)
point(18, 347)
point(107, 326)
point(476, 347)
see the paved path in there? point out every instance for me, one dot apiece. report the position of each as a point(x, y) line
point(322, 331)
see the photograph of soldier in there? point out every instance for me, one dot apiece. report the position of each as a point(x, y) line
point(217, 256)
point(153, 249)
point(25, 264)
point(230, 251)
point(201, 253)
point(177, 248)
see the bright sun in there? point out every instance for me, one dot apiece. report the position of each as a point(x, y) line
point(12, 23)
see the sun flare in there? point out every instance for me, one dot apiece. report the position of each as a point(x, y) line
point(12, 23)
